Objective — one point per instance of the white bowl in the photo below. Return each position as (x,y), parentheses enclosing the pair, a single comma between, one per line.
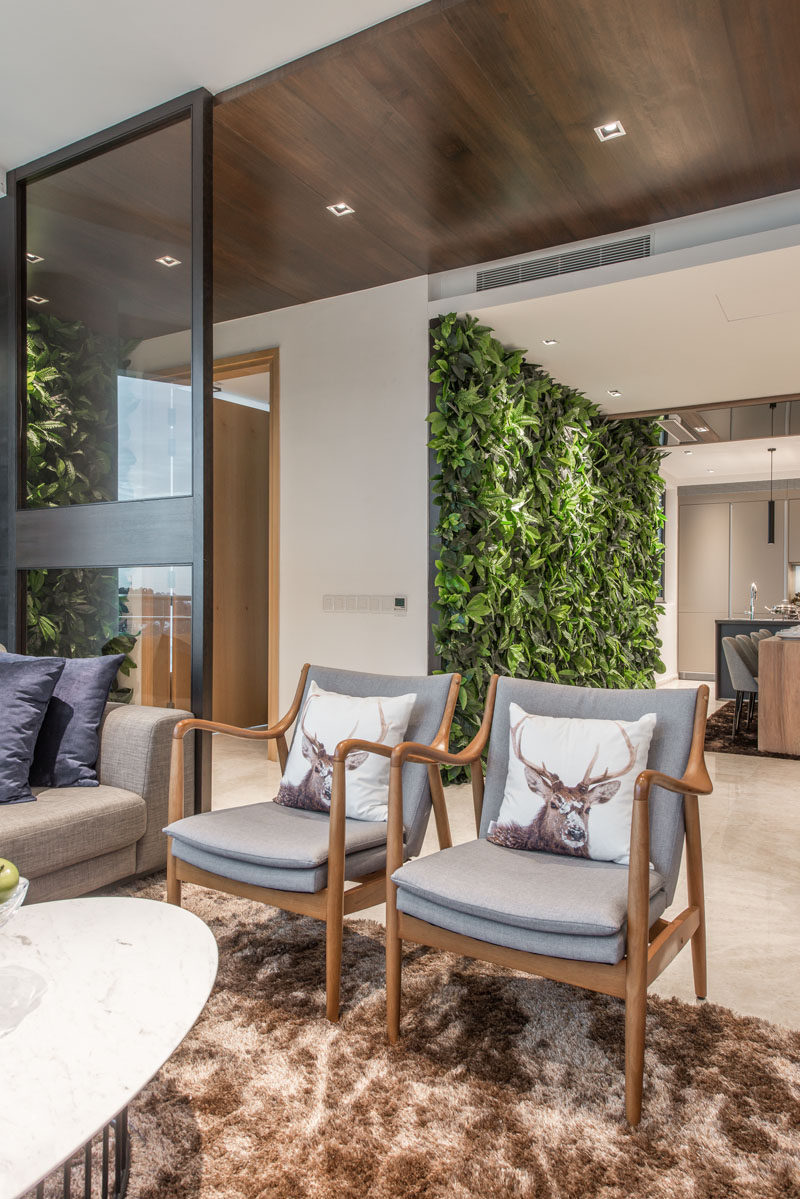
(14,901)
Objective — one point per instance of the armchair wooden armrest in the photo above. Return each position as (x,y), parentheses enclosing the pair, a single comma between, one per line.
(276,732)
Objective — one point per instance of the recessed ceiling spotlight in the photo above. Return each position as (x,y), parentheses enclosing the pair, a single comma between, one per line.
(687,451)
(168,260)
(31,257)
(38,300)
(340,209)
(701,428)
(610,130)
(709,470)
(612,391)
(549,341)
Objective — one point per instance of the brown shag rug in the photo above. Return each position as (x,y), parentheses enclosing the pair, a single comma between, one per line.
(503,1085)
(720,739)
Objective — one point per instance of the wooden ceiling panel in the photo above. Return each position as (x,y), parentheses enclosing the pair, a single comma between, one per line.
(463,131)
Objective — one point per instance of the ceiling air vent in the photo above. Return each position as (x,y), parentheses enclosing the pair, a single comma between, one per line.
(565,264)
(676,429)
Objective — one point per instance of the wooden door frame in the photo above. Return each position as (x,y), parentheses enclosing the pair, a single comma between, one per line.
(257,362)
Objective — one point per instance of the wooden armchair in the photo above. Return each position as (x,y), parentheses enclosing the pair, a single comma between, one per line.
(592,924)
(301,860)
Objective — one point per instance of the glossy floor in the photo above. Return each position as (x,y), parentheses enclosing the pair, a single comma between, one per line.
(751,845)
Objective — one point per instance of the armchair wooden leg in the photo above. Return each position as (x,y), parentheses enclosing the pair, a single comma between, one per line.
(173,882)
(695,887)
(635,1021)
(333,966)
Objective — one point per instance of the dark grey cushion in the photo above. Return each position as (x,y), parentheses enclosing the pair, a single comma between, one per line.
(268,834)
(69,740)
(550,893)
(557,945)
(426,716)
(669,749)
(26,685)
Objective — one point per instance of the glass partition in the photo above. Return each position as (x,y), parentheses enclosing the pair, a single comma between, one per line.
(144,612)
(108,276)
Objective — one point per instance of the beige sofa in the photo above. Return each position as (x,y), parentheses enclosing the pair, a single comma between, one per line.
(76,839)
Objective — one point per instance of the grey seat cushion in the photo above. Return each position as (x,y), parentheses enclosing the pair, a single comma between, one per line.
(544,892)
(267,834)
(68,825)
(609,950)
(356,865)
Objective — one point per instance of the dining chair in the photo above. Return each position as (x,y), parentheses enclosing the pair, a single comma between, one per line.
(743,680)
(300,860)
(593,924)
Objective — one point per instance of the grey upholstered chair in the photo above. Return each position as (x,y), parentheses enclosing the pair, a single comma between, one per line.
(759,635)
(749,652)
(590,923)
(299,860)
(743,679)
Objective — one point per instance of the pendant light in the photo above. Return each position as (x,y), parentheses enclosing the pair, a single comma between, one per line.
(771,502)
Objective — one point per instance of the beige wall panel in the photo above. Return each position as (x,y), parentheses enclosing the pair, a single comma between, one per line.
(753,559)
(703,547)
(696,631)
(794,530)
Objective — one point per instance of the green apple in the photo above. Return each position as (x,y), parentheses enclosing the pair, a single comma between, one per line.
(9,877)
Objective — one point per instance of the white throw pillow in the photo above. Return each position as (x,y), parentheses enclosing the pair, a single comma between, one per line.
(569,787)
(328,718)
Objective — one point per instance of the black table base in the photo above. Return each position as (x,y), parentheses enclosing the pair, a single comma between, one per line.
(99,1171)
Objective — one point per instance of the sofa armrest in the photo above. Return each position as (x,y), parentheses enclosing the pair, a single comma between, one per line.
(135,746)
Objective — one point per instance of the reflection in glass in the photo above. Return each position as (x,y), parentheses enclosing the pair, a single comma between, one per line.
(144,612)
(109,275)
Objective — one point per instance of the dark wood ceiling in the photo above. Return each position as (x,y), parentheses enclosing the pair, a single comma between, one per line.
(462,131)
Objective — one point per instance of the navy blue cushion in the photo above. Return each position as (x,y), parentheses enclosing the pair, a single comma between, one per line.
(26,685)
(69,741)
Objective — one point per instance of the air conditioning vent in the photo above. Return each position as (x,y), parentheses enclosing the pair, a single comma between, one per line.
(565,264)
(677,431)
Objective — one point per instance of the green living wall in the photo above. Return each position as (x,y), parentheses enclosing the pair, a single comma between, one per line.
(549,522)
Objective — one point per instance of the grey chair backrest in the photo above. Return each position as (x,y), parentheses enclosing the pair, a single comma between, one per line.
(426,716)
(759,636)
(741,676)
(669,749)
(748,651)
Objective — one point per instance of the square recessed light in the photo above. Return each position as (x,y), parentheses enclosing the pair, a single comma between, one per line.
(701,428)
(31,257)
(609,131)
(340,209)
(612,391)
(709,470)
(687,451)
(38,300)
(168,260)
(549,341)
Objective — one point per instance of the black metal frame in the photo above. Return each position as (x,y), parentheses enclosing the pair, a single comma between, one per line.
(121,1164)
(143,533)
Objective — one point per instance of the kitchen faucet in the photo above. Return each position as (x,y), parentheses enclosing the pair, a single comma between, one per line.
(753,595)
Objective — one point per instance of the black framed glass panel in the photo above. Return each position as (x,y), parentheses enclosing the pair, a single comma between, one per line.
(108,274)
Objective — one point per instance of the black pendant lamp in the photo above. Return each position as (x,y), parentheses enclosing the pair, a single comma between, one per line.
(771,502)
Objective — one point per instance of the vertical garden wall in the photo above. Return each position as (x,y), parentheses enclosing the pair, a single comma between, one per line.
(549,523)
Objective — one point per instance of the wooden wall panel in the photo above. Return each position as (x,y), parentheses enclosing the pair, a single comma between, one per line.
(241,490)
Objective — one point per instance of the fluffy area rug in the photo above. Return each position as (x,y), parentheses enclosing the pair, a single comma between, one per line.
(502,1085)
(720,739)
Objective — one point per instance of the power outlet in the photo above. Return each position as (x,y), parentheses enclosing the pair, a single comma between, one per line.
(366,605)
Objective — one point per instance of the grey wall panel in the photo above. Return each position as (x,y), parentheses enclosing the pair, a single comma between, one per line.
(139,533)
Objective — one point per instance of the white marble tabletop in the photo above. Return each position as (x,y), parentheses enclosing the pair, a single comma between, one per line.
(95,994)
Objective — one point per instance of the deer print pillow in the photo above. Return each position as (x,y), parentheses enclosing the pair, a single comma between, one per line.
(328,718)
(569,787)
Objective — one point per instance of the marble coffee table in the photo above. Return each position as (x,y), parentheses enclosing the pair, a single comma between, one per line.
(95,994)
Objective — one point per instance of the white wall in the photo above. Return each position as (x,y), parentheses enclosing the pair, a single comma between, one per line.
(668,623)
(354,473)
